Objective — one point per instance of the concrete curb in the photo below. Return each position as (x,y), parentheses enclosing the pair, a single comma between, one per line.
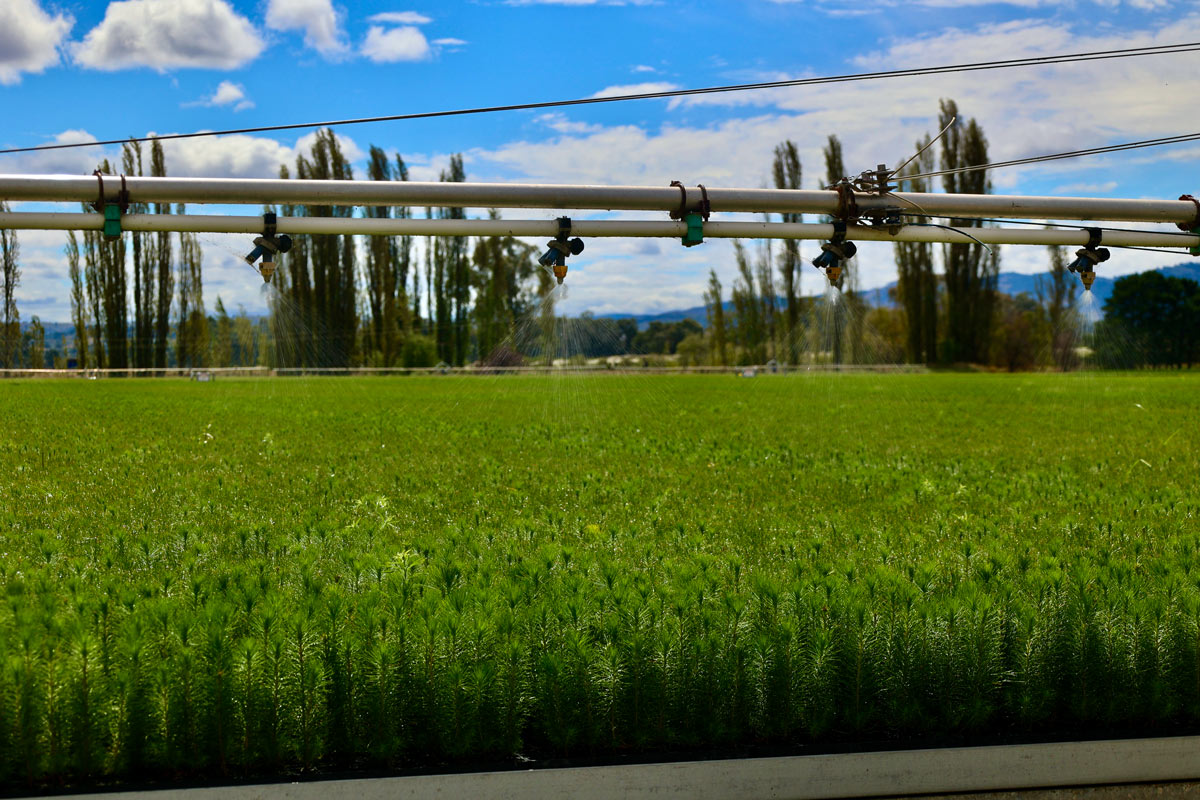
(941,771)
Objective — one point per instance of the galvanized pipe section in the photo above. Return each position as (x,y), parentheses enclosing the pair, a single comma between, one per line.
(198,223)
(960,769)
(67,188)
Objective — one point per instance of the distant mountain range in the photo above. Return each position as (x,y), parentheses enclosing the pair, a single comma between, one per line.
(1010,283)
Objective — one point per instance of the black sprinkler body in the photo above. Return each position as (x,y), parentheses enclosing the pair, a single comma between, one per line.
(558,248)
(266,246)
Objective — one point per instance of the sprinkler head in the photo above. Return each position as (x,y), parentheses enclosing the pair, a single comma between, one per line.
(265,247)
(830,260)
(556,254)
(1085,263)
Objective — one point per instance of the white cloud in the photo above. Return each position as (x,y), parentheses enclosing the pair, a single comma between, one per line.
(320,21)
(400,18)
(168,34)
(1023,112)
(349,147)
(71,161)
(643,68)
(233,156)
(1085,188)
(388,46)
(242,155)
(636,88)
(29,38)
(449,42)
(227,93)
(559,122)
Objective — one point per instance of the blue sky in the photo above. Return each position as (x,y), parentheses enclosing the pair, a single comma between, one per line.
(72,71)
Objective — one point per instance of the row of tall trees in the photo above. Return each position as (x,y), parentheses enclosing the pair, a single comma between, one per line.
(99,271)
(464,308)
(395,301)
(945,318)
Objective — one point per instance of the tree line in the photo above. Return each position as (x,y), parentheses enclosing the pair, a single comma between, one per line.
(394,301)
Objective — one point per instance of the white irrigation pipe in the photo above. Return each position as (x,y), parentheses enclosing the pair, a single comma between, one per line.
(958,769)
(69,188)
(198,223)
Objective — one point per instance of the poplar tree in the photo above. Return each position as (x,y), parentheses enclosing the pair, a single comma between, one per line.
(145,264)
(165,287)
(10,273)
(222,348)
(768,302)
(835,170)
(245,339)
(916,284)
(37,344)
(191,339)
(1057,295)
(786,171)
(502,265)
(451,281)
(106,264)
(747,322)
(293,320)
(330,258)
(715,309)
(95,302)
(388,261)
(79,308)
(971,270)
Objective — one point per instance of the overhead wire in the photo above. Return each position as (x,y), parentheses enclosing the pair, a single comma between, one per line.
(1098,55)
(1090,151)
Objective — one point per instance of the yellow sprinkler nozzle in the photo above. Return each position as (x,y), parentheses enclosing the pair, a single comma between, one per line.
(834,273)
(560,272)
(267,270)
(1087,278)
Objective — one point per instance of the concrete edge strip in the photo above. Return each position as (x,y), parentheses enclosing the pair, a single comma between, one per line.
(960,769)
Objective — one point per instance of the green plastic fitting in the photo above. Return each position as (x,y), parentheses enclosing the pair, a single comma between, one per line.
(112,222)
(695,230)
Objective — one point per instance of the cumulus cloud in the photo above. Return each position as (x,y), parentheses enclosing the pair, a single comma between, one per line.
(391,45)
(1023,112)
(1086,189)
(71,161)
(29,38)
(227,93)
(241,155)
(636,88)
(320,21)
(400,18)
(168,34)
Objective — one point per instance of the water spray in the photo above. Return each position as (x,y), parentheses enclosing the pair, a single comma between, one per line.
(1088,257)
(266,247)
(559,248)
(834,252)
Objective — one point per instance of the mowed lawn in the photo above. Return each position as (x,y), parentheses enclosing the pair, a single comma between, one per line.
(265,576)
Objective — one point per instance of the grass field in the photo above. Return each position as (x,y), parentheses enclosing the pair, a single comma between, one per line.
(269,575)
